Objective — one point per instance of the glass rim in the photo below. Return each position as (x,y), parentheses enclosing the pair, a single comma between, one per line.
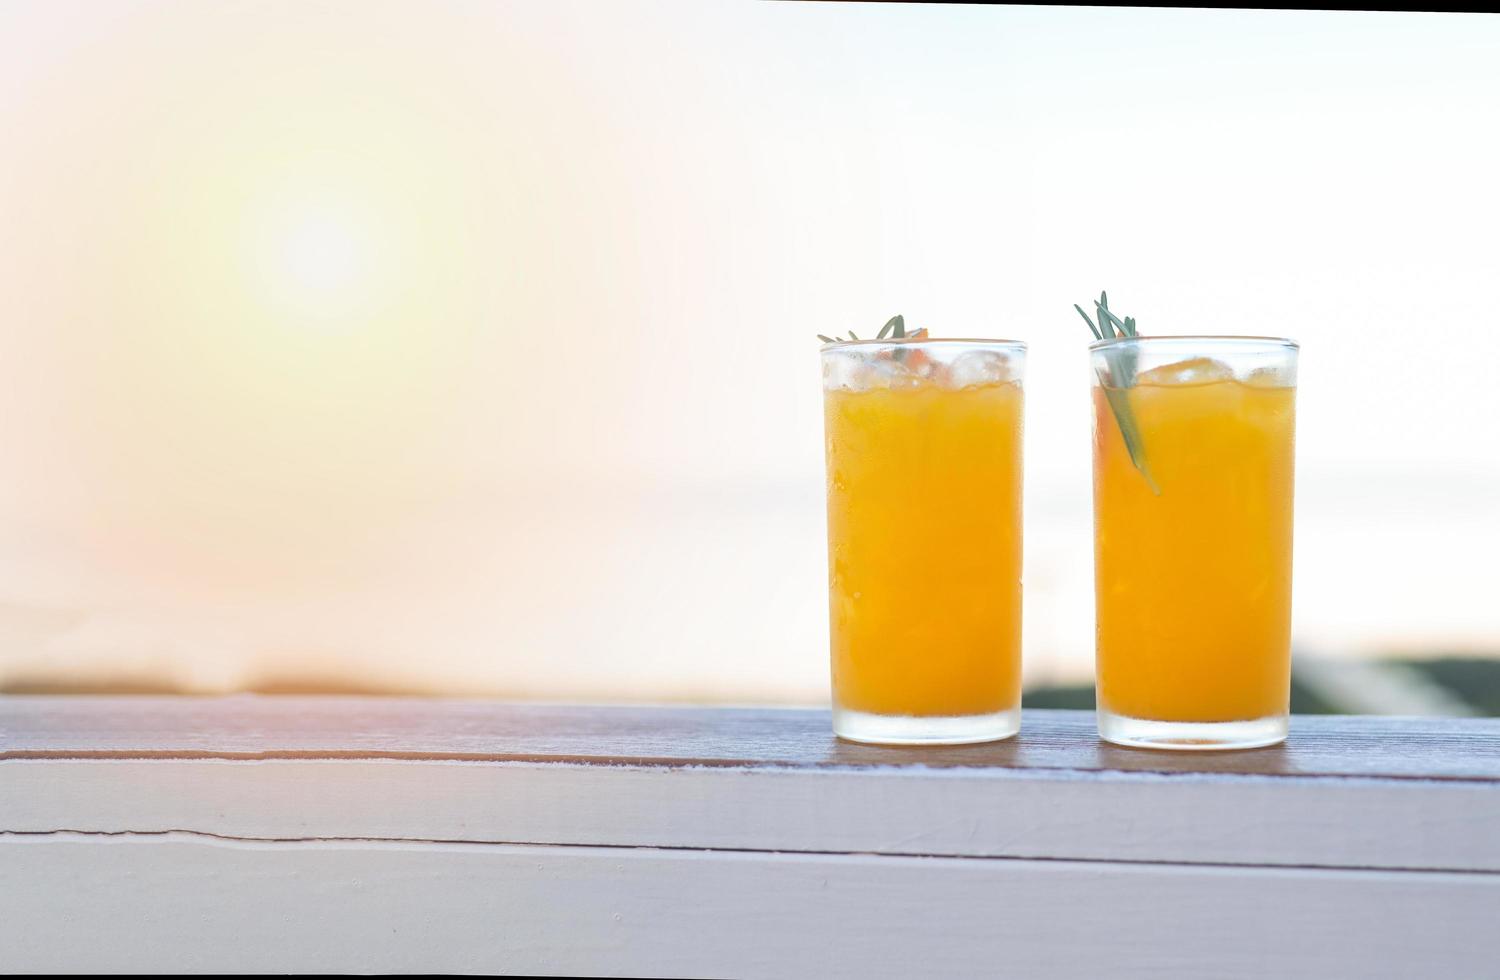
(1283,343)
(1019,345)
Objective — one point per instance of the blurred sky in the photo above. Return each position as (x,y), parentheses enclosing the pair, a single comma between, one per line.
(469,347)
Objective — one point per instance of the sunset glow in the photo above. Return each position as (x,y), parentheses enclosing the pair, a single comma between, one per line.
(471,346)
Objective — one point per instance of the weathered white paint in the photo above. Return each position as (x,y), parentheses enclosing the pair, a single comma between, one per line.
(287,835)
(76,902)
(1204,818)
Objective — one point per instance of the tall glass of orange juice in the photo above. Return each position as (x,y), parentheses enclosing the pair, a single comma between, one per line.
(1193,466)
(923,447)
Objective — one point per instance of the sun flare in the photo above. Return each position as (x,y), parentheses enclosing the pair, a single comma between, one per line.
(313,259)
(322,255)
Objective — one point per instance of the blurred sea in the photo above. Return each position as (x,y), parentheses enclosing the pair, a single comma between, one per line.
(708,592)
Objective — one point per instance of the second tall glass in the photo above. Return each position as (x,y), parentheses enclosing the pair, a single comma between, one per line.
(923,441)
(1193,467)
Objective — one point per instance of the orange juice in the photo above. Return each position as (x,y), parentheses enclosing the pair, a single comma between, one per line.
(924,544)
(1193,576)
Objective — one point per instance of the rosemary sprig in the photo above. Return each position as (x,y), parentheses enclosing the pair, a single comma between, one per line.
(1118,379)
(895,328)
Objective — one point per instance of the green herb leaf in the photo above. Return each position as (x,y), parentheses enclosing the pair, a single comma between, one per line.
(1117,326)
(1119,403)
(1097,334)
(895,328)
(1117,378)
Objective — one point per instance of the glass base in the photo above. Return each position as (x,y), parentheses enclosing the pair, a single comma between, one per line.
(860,726)
(1191,736)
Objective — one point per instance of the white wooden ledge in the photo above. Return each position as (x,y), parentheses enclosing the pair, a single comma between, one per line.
(378,835)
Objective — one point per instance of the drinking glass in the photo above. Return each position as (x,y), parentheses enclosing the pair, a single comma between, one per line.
(1193,466)
(923,449)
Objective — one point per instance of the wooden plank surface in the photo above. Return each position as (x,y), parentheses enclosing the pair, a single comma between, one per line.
(293,727)
(1125,817)
(379,835)
(179,903)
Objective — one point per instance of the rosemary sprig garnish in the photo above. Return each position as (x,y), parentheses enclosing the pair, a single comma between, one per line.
(895,328)
(1120,377)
